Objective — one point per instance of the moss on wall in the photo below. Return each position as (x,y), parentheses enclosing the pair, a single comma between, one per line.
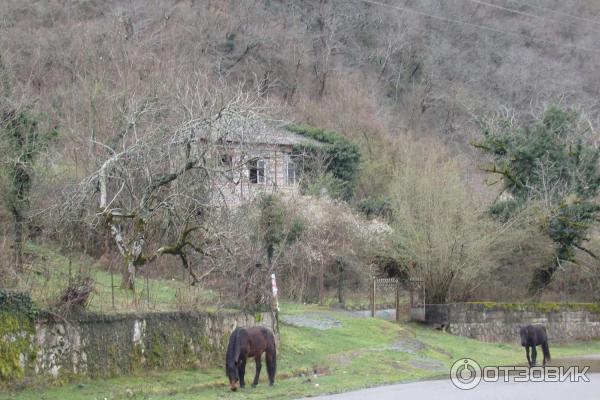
(541,307)
(16,347)
(17,329)
(490,321)
(97,345)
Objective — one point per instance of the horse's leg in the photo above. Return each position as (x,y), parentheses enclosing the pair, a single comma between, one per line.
(533,355)
(271,365)
(546,351)
(528,359)
(544,362)
(258,366)
(242,372)
(544,357)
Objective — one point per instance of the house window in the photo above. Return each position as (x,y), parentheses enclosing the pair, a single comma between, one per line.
(290,172)
(257,171)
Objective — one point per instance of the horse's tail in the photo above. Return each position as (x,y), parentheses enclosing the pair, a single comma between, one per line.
(546,350)
(271,357)
(274,358)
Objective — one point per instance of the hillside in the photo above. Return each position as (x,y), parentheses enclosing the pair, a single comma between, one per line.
(368,66)
(404,81)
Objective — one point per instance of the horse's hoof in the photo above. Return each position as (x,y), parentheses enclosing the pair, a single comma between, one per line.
(253,385)
(271,383)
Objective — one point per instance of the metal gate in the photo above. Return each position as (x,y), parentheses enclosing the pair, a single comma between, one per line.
(417,298)
(385,287)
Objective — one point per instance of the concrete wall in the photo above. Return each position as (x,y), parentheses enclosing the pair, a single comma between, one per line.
(500,322)
(109,345)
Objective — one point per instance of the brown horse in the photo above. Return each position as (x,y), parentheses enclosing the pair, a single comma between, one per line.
(245,343)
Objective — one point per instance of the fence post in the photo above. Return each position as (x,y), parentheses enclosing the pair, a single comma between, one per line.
(373,299)
(112,288)
(341,298)
(147,292)
(397,300)
(275,305)
(112,279)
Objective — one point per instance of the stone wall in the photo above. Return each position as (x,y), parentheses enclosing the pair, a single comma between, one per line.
(275,157)
(45,347)
(500,322)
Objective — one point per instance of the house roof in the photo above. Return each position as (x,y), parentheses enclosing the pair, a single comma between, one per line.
(244,131)
(274,133)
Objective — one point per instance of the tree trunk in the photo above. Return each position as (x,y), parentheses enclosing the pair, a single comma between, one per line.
(18,206)
(128,281)
(322,284)
(341,283)
(18,239)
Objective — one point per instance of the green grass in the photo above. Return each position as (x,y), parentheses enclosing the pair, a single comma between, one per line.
(356,355)
(48,272)
(359,300)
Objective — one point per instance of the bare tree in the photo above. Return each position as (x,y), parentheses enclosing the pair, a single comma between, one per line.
(156,193)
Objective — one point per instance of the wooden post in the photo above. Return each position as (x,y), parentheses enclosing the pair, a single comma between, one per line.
(321,283)
(398,300)
(275,160)
(373,299)
(424,302)
(112,287)
(70,271)
(135,302)
(275,292)
(341,298)
(147,292)
(274,305)
(411,289)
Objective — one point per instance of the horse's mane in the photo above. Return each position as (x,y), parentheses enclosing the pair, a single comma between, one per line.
(234,347)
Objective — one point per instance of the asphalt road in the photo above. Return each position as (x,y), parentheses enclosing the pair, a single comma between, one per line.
(444,389)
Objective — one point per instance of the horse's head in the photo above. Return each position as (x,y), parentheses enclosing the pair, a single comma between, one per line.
(523,334)
(232,374)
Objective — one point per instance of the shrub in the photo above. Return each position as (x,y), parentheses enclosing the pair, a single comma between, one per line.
(376,207)
(342,157)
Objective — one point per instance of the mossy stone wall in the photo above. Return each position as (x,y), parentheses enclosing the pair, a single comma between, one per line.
(40,346)
(500,322)
(17,332)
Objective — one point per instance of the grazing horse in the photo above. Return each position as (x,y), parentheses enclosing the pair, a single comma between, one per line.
(531,336)
(245,343)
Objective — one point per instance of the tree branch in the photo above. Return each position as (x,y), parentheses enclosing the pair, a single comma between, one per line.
(589,252)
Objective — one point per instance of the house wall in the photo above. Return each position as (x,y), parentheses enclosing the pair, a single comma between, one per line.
(242,189)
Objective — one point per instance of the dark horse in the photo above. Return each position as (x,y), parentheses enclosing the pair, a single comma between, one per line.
(531,336)
(245,343)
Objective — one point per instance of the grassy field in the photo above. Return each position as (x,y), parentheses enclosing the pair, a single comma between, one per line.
(49,271)
(358,353)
